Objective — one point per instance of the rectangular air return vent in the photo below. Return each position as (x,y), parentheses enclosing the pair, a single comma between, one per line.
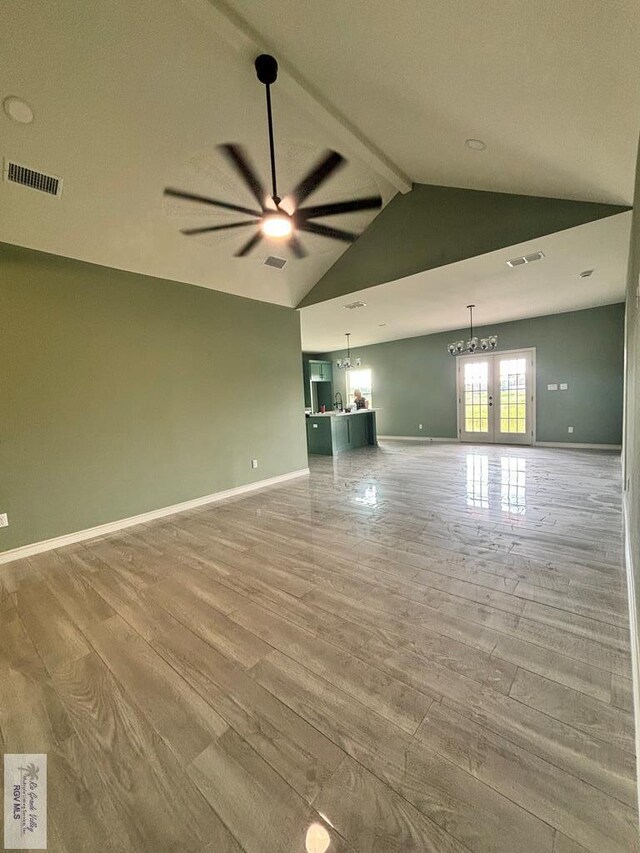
(272,261)
(525,259)
(17,174)
(353,305)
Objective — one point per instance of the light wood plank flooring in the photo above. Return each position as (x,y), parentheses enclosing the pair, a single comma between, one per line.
(418,648)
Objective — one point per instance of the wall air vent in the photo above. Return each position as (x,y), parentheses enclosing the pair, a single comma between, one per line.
(16,174)
(353,305)
(525,259)
(272,261)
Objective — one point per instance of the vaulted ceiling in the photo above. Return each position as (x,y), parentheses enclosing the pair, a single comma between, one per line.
(133,96)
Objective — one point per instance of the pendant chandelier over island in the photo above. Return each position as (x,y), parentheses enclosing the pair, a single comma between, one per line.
(346,363)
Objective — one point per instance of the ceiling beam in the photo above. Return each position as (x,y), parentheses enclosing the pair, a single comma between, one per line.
(226,23)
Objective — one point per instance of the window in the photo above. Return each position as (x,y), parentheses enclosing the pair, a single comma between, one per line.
(359,379)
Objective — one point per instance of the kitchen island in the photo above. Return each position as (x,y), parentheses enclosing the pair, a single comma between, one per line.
(334,432)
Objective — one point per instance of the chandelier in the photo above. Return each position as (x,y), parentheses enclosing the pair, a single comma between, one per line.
(474,343)
(346,363)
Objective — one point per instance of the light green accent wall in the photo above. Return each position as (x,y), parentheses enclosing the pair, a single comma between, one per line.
(122,393)
(414,379)
(631,470)
(433,226)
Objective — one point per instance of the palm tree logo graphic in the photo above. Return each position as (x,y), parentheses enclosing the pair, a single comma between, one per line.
(30,771)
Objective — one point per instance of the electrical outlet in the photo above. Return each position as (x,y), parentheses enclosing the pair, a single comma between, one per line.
(4,519)
(569,429)
(254,463)
(419,426)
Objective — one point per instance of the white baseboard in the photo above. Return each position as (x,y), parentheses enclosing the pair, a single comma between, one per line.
(424,438)
(577,446)
(121,524)
(634,628)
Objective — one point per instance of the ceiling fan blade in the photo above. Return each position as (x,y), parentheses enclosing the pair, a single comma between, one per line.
(236,156)
(296,247)
(320,172)
(203,199)
(208,228)
(248,246)
(325,231)
(371,202)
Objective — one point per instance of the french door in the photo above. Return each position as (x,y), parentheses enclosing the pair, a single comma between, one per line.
(496,397)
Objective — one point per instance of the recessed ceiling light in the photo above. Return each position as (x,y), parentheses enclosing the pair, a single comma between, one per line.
(382,324)
(586,273)
(18,110)
(475,144)
(351,305)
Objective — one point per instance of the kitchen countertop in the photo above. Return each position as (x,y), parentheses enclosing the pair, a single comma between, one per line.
(341,414)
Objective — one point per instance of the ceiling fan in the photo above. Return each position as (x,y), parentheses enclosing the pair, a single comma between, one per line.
(271,219)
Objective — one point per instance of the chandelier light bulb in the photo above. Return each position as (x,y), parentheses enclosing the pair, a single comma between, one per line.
(277,225)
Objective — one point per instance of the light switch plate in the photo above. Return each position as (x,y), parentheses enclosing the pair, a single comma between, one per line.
(569,429)
(552,387)
(563,386)
(254,463)
(4,519)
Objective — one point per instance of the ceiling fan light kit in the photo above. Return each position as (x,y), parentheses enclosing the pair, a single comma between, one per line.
(270,219)
(473,344)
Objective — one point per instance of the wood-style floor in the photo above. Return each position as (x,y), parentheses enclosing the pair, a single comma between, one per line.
(418,648)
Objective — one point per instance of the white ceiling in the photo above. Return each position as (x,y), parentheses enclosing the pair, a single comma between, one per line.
(132,96)
(551,86)
(435,301)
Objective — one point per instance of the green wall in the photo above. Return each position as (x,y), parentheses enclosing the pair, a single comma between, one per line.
(122,393)
(414,379)
(632,449)
(433,226)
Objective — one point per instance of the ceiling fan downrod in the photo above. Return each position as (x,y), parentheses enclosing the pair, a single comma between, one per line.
(267,71)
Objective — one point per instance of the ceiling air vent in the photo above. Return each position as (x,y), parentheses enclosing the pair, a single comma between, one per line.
(525,259)
(353,305)
(17,174)
(272,261)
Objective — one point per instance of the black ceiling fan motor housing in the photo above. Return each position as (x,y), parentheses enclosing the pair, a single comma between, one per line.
(266,69)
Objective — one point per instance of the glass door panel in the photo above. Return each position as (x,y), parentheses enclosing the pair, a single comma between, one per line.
(477,399)
(513,399)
